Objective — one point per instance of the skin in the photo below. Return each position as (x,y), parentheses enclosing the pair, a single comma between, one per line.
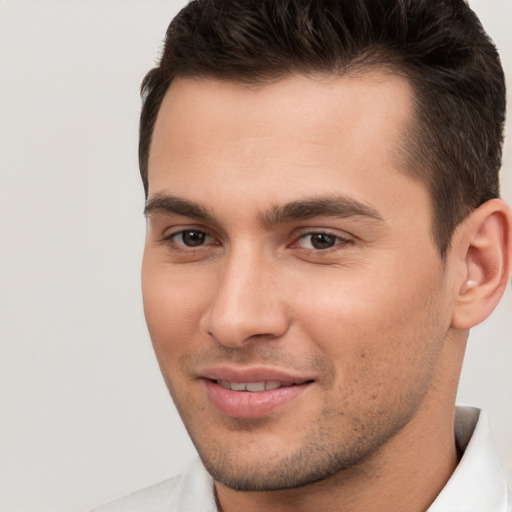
(368,319)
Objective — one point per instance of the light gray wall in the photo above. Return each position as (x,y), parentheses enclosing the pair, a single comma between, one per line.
(84,415)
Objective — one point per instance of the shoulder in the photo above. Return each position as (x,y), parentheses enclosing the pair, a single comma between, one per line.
(149,499)
(192,490)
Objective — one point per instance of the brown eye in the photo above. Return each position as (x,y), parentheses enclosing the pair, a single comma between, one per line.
(322,240)
(319,241)
(191,238)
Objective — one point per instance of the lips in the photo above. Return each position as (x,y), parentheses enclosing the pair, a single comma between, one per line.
(253,393)
(255,387)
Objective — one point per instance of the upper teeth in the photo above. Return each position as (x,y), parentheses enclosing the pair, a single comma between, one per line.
(250,386)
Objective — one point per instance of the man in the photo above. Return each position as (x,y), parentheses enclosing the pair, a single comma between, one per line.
(324,228)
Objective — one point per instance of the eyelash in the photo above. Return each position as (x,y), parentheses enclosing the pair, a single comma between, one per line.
(171,239)
(336,239)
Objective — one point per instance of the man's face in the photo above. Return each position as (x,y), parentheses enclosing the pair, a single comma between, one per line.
(293,293)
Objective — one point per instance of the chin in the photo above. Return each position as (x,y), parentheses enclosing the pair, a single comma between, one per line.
(259,470)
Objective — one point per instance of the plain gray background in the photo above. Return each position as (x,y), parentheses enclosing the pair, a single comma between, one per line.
(84,414)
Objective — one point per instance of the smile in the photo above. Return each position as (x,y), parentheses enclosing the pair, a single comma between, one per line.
(254,399)
(255,387)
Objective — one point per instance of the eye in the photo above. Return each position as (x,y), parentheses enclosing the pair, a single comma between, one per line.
(320,241)
(191,238)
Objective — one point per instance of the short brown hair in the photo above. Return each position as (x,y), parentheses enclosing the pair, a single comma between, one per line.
(453,144)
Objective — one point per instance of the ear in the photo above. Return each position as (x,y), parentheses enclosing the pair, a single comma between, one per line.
(483,248)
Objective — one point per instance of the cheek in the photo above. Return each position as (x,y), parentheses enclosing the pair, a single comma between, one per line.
(372,322)
(173,305)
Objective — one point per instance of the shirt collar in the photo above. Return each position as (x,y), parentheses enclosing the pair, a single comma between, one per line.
(478,484)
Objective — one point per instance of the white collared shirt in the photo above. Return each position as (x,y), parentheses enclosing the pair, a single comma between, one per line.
(477,485)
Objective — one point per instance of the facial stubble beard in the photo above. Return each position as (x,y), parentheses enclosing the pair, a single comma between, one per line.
(323,453)
(318,459)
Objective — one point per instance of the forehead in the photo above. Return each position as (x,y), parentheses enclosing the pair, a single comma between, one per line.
(280,138)
(300,104)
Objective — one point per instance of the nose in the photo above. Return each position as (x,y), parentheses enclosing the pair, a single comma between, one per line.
(247,303)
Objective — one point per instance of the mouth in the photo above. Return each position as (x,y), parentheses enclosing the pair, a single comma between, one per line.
(248,398)
(255,387)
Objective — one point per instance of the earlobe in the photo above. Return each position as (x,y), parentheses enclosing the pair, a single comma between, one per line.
(485,247)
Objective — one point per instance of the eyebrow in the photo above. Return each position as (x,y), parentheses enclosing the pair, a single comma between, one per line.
(337,205)
(165,204)
(340,206)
